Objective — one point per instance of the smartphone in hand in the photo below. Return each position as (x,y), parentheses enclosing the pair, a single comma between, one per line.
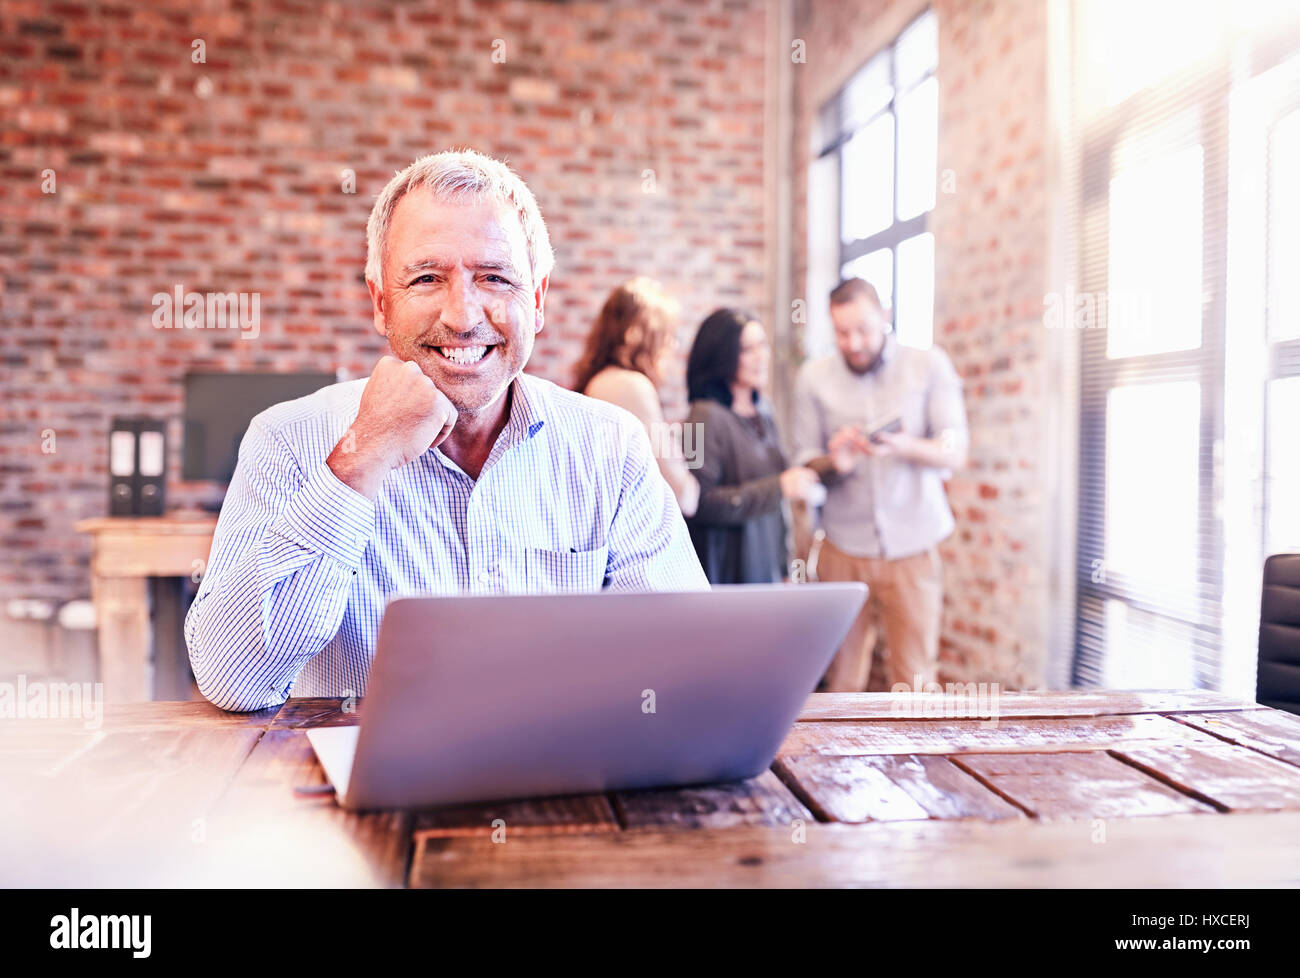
(892,424)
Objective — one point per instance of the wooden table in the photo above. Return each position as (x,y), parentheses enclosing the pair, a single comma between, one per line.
(128,550)
(1105,789)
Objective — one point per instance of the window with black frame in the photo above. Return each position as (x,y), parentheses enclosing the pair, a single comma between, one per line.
(876,139)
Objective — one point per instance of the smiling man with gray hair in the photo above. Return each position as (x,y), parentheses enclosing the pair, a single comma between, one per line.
(448,470)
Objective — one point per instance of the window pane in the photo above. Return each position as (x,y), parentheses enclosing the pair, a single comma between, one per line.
(917,51)
(867,180)
(878,269)
(1153,487)
(1154,272)
(1284,230)
(1283,466)
(1120,46)
(914,321)
(1145,651)
(867,93)
(918,133)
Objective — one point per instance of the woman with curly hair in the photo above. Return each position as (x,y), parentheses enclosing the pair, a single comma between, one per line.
(628,350)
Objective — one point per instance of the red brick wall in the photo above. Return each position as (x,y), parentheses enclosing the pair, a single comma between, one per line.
(991,244)
(227,177)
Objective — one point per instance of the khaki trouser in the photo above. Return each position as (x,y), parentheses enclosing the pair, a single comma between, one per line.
(906,599)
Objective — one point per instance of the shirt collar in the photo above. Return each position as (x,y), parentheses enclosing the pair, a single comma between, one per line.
(527,409)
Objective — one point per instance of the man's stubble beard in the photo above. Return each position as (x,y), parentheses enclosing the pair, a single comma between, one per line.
(467,410)
(870,365)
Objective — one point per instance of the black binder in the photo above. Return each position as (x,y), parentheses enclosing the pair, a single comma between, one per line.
(137,467)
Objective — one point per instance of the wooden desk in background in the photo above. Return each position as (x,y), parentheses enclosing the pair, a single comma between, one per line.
(128,551)
(1087,789)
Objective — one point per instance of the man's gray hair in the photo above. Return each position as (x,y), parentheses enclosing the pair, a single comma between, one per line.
(459,175)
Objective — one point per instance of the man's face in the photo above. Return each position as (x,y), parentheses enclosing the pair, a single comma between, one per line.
(859,331)
(459,297)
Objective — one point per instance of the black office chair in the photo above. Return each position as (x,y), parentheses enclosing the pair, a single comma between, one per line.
(1277,683)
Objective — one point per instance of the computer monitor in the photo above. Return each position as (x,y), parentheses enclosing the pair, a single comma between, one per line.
(218,408)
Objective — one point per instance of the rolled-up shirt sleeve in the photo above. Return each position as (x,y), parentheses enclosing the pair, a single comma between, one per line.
(287,549)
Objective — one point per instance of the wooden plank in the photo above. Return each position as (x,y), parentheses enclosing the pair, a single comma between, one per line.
(274,827)
(318,711)
(124,637)
(890,788)
(29,757)
(1234,777)
(330,711)
(123,809)
(37,747)
(129,782)
(1177,850)
(762,800)
(1028,735)
(194,712)
(199,524)
(149,546)
(1043,703)
(1085,785)
(189,713)
(1270,732)
(28,749)
(571,813)
(124,717)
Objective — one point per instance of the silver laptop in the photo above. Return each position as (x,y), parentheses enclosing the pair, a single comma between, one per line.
(487,698)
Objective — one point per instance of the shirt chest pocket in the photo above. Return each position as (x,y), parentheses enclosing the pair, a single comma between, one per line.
(549,571)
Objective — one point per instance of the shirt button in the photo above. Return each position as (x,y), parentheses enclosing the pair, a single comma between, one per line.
(361,539)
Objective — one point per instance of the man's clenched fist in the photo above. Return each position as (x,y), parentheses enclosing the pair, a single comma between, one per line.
(402,416)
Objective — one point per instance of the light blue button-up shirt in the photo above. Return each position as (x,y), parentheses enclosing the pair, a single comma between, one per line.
(302,565)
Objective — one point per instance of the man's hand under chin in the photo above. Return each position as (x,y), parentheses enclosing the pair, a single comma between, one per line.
(402,416)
